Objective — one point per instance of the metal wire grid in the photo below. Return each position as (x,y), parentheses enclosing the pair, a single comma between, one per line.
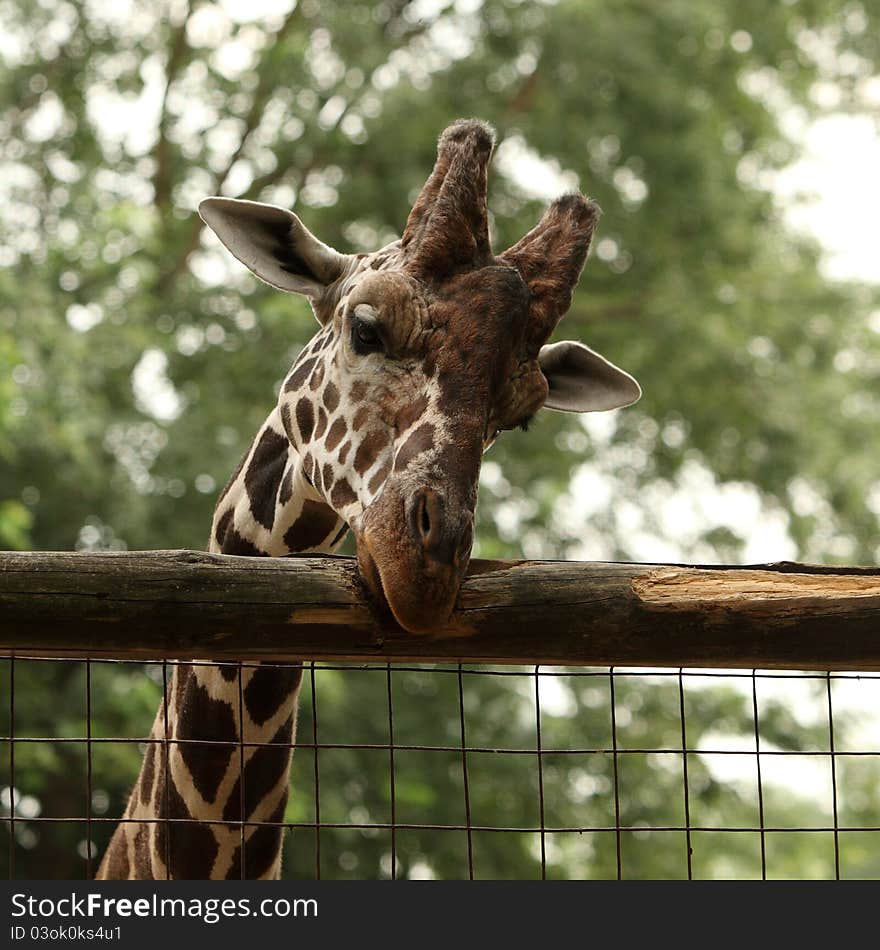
(869,831)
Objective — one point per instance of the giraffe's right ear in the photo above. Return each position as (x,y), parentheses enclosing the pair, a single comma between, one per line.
(581,380)
(274,244)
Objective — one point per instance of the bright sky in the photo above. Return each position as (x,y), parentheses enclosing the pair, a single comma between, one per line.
(839,166)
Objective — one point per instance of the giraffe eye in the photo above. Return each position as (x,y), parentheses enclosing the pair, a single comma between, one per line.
(365,337)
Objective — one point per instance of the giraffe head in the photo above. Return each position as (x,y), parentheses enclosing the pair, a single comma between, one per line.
(428,349)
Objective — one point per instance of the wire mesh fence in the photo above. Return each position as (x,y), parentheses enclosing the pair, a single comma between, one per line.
(459,771)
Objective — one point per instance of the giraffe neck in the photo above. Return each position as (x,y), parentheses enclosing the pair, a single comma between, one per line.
(268,508)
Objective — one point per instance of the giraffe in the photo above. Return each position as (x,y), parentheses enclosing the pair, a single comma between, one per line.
(427,350)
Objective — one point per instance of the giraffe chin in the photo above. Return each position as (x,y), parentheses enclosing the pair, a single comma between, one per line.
(421,600)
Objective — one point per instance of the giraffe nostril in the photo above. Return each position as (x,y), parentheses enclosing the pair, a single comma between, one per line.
(424,518)
(427,518)
(444,535)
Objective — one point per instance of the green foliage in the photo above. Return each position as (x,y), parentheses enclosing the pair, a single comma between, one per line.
(136,361)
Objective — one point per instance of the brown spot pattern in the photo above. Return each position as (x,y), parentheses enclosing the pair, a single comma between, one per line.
(315,524)
(234,543)
(411,413)
(342,494)
(263,476)
(210,719)
(419,441)
(261,848)
(148,773)
(322,422)
(339,536)
(331,397)
(223,526)
(379,477)
(229,672)
(261,774)
(305,420)
(180,679)
(287,421)
(193,846)
(336,434)
(267,689)
(299,375)
(285,492)
(317,377)
(115,866)
(360,417)
(369,449)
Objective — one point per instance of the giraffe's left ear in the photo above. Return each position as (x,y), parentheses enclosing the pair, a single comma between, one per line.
(582,380)
(274,244)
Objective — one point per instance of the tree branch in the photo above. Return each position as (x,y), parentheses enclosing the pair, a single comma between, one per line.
(266,84)
(255,113)
(163,175)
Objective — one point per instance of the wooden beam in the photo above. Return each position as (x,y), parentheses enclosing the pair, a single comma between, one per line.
(191,605)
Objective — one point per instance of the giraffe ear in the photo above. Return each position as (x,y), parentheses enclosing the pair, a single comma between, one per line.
(274,244)
(581,380)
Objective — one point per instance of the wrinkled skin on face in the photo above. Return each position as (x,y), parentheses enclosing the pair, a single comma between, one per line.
(428,349)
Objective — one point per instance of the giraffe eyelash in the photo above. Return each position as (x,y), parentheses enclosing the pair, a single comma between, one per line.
(365,334)
(523,423)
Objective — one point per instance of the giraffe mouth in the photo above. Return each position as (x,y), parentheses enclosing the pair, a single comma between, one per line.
(420,596)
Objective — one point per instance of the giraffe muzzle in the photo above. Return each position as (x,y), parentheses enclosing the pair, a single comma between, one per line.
(413,552)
